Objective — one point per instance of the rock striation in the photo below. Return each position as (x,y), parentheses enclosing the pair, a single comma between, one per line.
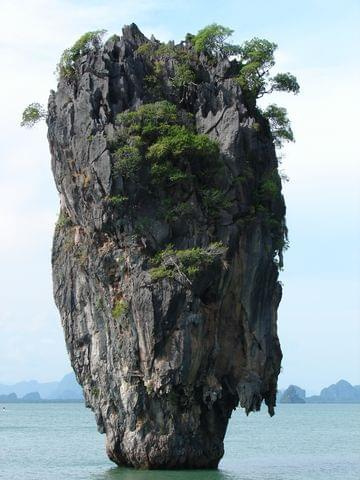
(169,314)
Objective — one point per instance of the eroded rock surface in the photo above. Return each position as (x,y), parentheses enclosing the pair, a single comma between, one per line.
(164,362)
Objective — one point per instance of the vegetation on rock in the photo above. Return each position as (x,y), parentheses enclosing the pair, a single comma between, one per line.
(211,40)
(279,124)
(32,114)
(120,308)
(256,61)
(185,264)
(158,147)
(86,43)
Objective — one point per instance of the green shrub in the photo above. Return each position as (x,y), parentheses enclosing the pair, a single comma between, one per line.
(120,308)
(269,189)
(85,44)
(186,264)
(32,114)
(256,60)
(179,143)
(177,211)
(128,161)
(214,200)
(118,200)
(161,272)
(175,161)
(279,124)
(166,173)
(211,40)
(149,120)
(183,75)
(146,49)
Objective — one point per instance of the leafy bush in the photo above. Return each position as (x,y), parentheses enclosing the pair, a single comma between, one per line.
(214,200)
(211,40)
(284,82)
(32,114)
(279,124)
(176,211)
(185,264)
(183,75)
(161,142)
(118,200)
(269,189)
(128,161)
(149,120)
(181,143)
(256,60)
(120,308)
(85,44)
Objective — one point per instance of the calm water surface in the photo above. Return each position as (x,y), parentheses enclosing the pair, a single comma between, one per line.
(302,442)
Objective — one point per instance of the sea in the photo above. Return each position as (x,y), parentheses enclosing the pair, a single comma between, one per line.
(301,442)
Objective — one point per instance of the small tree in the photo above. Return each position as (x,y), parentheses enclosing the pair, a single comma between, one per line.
(211,40)
(183,75)
(279,124)
(87,42)
(257,58)
(32,114)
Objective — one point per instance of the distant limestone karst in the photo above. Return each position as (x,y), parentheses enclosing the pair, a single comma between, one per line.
(293,394)
(340,392)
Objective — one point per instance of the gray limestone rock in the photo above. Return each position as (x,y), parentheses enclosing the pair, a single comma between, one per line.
(164,363)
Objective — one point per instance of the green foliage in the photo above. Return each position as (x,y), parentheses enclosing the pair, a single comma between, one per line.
(285,82)
(120,308)
(279,124)
(183,75)
(149,120)
(32,114)
(128,161)
(85,44)
(166,50)
(118,200)
(185,264)
(212,40)
(146,49)
(257,59)
(161,272)
(214,200)
(166,173)
(180,142)
(157,50)
(269,189)
(160,145)
(176,211)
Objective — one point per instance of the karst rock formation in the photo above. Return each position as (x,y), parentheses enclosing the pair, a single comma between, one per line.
(168,290)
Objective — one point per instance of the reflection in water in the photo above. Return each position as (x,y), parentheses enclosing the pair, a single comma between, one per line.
(129,474)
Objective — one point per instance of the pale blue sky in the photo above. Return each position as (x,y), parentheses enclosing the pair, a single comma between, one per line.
(319,318)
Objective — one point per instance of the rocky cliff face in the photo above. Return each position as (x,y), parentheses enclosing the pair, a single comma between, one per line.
(165,341)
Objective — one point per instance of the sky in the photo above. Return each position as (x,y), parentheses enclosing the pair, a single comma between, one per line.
(319,41)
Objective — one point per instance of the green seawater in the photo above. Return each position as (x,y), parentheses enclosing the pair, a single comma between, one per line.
(302,442)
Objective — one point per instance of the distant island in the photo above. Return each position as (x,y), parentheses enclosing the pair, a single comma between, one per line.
(66,390)
(340,392)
